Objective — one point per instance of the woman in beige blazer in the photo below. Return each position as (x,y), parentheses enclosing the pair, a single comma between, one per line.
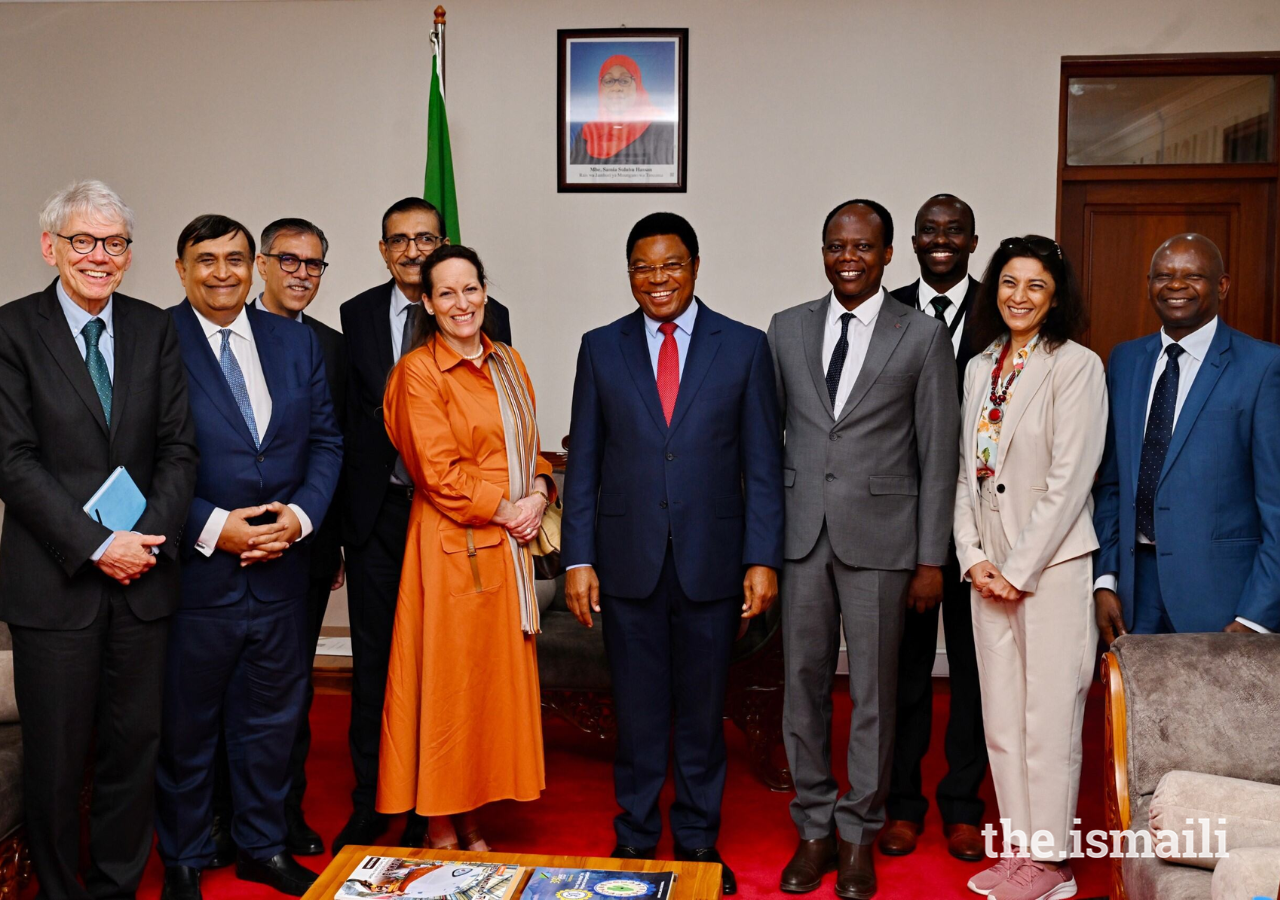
(1035,415)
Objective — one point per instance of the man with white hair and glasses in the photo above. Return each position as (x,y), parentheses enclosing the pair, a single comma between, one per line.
(90,381)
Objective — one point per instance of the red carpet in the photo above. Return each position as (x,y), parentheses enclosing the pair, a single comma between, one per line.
(575,812)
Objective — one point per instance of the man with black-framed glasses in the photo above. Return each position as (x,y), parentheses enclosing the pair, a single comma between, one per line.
(378,327)
(90,380)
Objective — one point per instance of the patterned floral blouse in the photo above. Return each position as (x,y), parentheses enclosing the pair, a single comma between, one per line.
(989,429)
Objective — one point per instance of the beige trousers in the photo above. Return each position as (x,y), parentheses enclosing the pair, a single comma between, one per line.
(1035,661)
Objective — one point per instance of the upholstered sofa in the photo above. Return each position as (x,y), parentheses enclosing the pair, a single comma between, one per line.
(15,864)
(1194,714)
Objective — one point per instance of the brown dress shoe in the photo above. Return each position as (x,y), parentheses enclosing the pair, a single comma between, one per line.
(809,863)
(898,837)
(965,842)
(856,878)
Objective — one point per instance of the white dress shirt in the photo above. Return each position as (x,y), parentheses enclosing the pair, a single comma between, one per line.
(860,327)
(399,311)
(77,318)
(1196,348)
(683,334)
(956,295)
(245,350)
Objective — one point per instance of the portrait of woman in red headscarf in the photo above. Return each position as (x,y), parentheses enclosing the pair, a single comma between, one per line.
(628,128)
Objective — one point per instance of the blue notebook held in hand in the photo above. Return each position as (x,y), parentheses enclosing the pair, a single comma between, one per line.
(118,504)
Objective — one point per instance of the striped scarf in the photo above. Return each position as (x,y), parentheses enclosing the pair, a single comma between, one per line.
(521,431)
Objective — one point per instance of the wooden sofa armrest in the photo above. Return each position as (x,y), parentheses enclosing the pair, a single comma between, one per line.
(1116,771)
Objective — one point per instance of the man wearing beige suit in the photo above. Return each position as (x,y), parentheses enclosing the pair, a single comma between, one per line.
(1032,432)
(867,390)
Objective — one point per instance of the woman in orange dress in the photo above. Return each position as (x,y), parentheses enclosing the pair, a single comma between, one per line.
(461,723)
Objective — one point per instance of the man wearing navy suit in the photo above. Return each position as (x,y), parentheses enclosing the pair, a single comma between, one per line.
(672,519)
(1188,502)
(270,454)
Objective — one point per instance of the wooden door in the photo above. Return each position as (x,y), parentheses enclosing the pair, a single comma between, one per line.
(1110,228)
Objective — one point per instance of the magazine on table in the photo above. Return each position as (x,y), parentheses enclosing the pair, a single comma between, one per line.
(429,879)
(547,883)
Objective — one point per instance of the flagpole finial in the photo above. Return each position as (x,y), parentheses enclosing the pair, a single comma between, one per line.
(439,15)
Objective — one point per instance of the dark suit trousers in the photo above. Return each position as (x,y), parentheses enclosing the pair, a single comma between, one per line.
(373,583)
(243,666)
(965,744)
(818,593)
(669,657)
(317,602)
(106,678)
(1149,614)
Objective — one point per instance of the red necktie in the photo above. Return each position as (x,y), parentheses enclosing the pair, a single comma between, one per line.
(668,369)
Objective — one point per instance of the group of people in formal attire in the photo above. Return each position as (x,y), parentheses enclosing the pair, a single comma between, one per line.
(876,461)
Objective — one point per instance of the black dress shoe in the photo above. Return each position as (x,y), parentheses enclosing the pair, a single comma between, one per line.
(415,831)
(224,848)
(281,872)
(709,855)
(809,863)
(363,828)
(622,851)
(300,838)
(181,883)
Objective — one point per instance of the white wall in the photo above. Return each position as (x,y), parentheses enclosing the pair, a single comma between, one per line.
(318,109)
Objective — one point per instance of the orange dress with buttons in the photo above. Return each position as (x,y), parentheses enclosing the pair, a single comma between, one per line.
(461,721)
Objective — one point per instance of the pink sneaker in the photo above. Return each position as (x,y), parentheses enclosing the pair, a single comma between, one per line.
(1036,881)
(988,880)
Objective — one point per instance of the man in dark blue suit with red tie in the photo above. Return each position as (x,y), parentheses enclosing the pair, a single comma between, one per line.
(672,528)
(239,646)
(1188,499)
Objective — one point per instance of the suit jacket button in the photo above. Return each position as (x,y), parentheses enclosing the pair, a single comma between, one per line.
(999,488)
(670,456)
(662,504)
(834,436)
(262,459)
(830,477)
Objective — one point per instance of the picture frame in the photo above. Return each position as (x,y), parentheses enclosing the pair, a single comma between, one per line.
(622,110)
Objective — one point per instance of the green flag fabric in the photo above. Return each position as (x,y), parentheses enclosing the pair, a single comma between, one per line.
(438,185)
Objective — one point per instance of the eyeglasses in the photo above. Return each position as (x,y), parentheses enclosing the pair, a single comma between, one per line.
(84,244)
(620,81)
(662,269)
(290,263)
(424,239)
(1040,246)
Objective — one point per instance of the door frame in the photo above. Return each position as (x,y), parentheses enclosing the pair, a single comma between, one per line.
(1266,63)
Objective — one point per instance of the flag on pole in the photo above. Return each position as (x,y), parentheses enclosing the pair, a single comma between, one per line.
(438,185)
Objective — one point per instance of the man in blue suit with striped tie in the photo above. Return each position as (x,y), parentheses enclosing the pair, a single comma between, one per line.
(239,648)
(1188,502)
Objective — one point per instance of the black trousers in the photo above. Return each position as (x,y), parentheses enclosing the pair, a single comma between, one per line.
(373,583)
(965,743)
(317,602)
(108,678)
(669,661)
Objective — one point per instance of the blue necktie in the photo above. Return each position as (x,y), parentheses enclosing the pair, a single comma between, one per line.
(97,363)
(836,366)
(1155,443)
(235,381)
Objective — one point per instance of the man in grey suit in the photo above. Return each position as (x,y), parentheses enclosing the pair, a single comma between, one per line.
(867,389)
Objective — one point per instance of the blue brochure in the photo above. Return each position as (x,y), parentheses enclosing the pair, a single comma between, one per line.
(118,504)
(548,883)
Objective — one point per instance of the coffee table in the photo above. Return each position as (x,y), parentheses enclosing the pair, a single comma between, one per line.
(694,881)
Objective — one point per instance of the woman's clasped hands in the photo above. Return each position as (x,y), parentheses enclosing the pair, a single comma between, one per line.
(522,518)
(988,581)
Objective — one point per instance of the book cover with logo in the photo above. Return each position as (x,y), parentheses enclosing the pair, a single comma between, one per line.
(592,884)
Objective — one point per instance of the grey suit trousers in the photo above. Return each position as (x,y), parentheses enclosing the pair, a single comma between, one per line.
(818,592)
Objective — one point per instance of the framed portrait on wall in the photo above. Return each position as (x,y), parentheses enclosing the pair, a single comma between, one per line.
(622,109)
